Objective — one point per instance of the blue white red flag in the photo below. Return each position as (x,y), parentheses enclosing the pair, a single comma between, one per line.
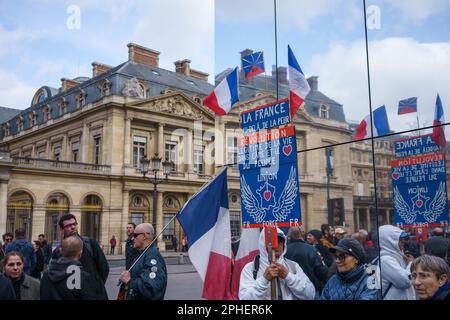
(407,105)
(253,64)
(438,134)
(205,219)
(298,85)
(380,125)
(247,251)
(224,95)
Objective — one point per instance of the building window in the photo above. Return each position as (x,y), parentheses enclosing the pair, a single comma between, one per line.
(358,157)
(81,99)
(41,153)
(75,151)
(359,173)
(57,153)
(19,123)
(62,107)
(170,153)
(235,223)
(198,159)
(232,150)
(32,119)
(46,112)
(97,149)
(324,111)
(105,88)
(143,90)
(139,146)
(6,129)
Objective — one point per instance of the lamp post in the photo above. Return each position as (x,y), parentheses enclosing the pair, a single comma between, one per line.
(154,164)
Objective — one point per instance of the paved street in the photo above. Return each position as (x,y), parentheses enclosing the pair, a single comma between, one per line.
(183,281)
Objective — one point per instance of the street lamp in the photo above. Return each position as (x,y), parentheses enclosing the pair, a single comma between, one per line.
(154,164)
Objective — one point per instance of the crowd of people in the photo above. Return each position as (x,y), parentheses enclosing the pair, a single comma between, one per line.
(326,264)
(329,264)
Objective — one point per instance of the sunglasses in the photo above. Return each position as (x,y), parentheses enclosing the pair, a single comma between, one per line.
(8,239)
(340,257)
(70,225)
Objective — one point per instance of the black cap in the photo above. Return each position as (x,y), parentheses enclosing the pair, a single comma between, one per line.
(351,247)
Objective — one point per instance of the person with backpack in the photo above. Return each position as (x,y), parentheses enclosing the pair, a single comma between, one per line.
(92,258)
(20,244)
(292,282)
(396,283)
(65,278)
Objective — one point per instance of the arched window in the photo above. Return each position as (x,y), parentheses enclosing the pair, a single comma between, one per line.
(20,211)
(57,205)
(139,208)
(91,211)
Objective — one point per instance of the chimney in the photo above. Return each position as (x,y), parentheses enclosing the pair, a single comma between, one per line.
(313,83)
(199,75)
(66,84)
(99,68)
(282,75)
(143,55)
(183,67)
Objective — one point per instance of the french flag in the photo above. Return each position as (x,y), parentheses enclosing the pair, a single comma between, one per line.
(248,250)
(224,95)
(380,125)
(205,219)
(298,85)
(438,134)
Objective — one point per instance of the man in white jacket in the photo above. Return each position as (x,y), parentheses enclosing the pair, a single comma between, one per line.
(292,282)
(395,265)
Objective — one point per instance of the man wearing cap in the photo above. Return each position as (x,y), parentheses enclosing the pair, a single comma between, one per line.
(292,282)
(339,234)
(395,264)
(350,280)
(147,279)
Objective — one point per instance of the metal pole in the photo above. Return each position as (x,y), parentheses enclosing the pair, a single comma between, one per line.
(330,216)
(155,183)
(276,42)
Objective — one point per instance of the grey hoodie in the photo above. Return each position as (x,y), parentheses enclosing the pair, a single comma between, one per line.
(394,269)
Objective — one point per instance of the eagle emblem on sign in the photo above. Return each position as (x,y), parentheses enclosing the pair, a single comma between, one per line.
(258,206)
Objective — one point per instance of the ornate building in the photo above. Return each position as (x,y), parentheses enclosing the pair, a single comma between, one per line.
(78,149)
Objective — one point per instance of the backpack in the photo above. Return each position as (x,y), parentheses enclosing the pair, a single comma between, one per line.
(374,277)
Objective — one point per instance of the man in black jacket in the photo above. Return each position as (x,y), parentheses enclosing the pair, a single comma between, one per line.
(307,257)
(92,258)
(65,278)
(6,289)
(131,253)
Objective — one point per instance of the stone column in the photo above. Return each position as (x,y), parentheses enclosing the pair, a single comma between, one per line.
(368,219)
(161,140)
(64,149)
(386,214)
(308,217)
(3,205)
(107,157)
(160,221)
(85,144)
(219,143)
(190,152)
(357,226)
(47,148)
(127,142)
(125,217)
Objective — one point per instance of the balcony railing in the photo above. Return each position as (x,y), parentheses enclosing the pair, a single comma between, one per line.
(25,162)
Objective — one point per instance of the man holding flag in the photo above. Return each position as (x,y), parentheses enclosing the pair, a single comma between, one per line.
(205,219)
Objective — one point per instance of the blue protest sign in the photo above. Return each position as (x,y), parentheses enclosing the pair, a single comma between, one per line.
(267,158)
(270,197)
(419,184)
(272,148)
(415,146)
(269,116)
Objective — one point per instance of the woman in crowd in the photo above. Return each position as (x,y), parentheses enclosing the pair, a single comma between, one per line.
(430,278)
(25,287)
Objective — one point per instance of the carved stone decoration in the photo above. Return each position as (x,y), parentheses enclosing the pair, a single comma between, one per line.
(176,106)
(133,89)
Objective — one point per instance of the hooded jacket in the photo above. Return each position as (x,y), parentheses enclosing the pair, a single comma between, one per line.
(394,269)
(296,286)
(56,285)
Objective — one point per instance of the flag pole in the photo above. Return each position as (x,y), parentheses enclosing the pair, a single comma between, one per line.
(276,42)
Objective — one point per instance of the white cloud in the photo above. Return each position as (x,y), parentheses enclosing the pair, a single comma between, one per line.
(15,93)
(419,10)
(16,40)
(400,68)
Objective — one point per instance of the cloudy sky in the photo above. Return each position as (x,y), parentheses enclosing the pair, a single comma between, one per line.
(409,44)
